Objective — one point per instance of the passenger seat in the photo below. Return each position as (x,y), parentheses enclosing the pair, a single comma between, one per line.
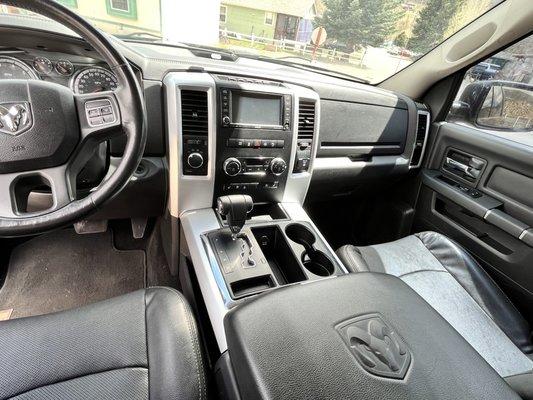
(458,288)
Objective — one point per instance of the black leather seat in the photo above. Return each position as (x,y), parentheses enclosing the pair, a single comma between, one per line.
(456,286)
(143,345)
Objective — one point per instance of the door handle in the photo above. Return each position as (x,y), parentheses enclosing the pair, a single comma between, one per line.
(466,169)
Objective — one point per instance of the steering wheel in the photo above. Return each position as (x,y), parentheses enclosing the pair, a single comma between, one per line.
(48,133)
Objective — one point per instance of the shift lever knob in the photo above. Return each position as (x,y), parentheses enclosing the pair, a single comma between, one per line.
(235,208)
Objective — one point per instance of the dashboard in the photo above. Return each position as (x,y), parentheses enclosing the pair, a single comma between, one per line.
(79,74)
(220,126)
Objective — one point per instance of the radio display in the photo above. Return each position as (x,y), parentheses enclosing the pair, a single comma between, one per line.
(256,109)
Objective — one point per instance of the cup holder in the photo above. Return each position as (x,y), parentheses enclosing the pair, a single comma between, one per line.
(300,234)
(313,260)
(318,263)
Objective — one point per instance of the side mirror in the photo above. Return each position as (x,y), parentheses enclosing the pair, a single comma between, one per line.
(460,110)
(507,106)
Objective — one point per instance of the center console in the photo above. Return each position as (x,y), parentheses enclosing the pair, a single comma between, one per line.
(241,154)
(254,138)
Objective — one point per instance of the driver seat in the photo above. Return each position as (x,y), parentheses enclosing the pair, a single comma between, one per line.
(143,345)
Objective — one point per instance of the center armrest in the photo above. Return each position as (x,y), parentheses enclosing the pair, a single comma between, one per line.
(359,336)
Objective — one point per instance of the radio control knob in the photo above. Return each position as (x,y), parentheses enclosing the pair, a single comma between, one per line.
(232,166)
(226,120)
(195,160)
(278,166)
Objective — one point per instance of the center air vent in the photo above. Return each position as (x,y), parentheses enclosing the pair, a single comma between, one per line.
(306,130)
(420,140)
(194,131)
(306,121)
(194,112)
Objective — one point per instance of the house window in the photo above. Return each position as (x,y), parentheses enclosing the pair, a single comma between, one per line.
(68,3)
(122,8)
(223,13)
(269,18)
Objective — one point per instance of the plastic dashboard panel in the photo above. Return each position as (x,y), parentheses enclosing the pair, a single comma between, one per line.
(289,344)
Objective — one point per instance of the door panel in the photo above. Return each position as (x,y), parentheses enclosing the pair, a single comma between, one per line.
(486,206)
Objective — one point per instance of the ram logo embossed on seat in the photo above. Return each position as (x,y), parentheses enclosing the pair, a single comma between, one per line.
(377,347)
(15,118)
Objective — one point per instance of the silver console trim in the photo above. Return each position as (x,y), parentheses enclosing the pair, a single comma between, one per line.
(212,285)
(189,192)
(298,183)
(426,135)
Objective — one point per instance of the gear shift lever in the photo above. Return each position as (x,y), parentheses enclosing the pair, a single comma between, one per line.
(236,208)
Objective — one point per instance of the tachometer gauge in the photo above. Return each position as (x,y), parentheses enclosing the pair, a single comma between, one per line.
(94,80)
(11,68)
(42,65)
(64,67)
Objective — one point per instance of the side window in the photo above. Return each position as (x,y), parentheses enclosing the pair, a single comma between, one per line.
(496,95)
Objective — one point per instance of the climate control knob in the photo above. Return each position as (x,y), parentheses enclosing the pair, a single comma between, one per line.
(195,160)
(278,166)
(232,166)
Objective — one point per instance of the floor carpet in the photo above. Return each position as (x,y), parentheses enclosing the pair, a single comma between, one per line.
(63,270)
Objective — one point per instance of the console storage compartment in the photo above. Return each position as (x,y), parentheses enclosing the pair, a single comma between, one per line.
(358,336)
(278,254)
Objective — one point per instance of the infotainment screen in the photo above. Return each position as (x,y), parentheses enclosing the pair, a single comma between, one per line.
(255,109)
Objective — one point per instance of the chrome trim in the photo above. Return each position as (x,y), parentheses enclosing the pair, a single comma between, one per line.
(189,192)
(487,214)
(524,232)
(73,82)
(298,183)
(214,291)
(210,279)
(428,123)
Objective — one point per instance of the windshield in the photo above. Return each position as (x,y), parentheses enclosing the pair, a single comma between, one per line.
(365,39)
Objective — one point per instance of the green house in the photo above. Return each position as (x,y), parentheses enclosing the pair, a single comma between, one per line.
(278,19)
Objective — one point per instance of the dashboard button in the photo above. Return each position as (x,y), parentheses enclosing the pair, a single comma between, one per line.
(280,144)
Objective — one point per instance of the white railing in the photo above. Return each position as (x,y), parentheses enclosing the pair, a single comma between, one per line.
(301,49)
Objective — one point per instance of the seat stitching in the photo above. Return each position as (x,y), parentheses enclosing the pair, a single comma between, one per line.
(422,270)
(146,342)
(196,346)
(78,377)
(454,246)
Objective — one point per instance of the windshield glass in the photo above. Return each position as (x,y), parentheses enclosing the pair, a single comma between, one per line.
(366,39)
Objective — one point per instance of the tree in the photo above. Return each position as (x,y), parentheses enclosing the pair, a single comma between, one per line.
(341,21)
(361,22)
(432,24)
(378,21)
(401,40)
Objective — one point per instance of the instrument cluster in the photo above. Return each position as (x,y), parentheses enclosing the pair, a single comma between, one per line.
(81,78)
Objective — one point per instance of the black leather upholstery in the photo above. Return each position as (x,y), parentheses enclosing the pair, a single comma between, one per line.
(143,345)
(466,270)
(288,344)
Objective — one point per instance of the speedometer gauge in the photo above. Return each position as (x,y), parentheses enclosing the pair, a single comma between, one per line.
(94,80)
(11,68)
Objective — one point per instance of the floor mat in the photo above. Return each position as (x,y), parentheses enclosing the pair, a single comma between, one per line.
(63,270)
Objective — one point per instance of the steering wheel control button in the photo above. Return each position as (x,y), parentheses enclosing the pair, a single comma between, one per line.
(99,112)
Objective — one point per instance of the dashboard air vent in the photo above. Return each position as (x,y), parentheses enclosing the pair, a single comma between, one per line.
(306,130)
(194,132)
(194,113)
(422,127)
(306,120)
